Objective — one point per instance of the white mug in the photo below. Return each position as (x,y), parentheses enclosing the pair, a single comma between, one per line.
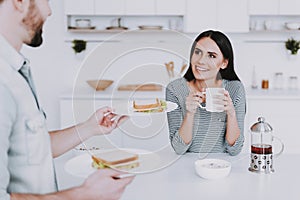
(214,100)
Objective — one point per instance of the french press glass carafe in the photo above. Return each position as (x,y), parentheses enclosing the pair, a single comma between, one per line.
(261,147)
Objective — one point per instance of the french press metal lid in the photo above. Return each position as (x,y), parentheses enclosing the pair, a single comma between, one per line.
(261,126)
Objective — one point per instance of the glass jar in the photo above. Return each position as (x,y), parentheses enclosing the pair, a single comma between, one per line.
(278,80)
(265,84)
(293,82)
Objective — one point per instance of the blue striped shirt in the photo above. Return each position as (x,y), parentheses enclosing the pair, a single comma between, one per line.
(209,127)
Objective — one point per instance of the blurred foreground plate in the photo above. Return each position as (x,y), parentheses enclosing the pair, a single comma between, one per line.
(81,166)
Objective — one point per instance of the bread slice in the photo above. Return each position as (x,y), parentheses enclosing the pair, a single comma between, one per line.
(159,106)
(119,159)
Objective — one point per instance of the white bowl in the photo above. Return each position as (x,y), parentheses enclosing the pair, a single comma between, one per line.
(292,25)
(83,23)
(212,168)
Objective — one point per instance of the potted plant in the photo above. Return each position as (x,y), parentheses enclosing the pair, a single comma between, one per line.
(292,45)
(79,45)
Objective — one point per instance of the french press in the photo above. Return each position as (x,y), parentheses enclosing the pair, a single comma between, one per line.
(261,147)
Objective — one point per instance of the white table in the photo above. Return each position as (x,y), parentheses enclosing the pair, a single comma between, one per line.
(180,181)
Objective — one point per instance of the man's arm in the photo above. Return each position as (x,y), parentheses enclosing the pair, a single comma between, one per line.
(99,185)
(101,122)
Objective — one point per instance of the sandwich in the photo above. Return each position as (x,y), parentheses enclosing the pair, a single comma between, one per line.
(159,106)
(115,159)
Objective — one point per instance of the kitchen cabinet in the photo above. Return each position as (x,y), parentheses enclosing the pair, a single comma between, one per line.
(112,7)
(274,7)
(289,7)
(263,7)
(138,7)
(133,13)
(202,15)
(148,132)
(281,110)
(228,21)
(197,18)
(170,7)
(79,7)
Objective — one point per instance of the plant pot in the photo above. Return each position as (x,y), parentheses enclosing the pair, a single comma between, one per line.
(291,56)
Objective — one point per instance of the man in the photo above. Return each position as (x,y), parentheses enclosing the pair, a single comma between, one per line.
(26,147)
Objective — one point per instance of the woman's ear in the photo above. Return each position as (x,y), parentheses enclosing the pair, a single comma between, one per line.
(224,64)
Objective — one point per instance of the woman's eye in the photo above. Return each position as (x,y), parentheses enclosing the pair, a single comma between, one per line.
(197,51)
(211,56)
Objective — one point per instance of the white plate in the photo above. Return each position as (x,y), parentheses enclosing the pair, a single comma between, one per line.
(81,166)
(128,109)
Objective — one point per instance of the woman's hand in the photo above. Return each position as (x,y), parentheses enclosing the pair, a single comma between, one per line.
(193,100)
(228,105)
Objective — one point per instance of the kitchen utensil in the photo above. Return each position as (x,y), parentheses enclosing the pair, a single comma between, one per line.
(99,85)
(261,147)
(183,67)
(212,168)
(170,69)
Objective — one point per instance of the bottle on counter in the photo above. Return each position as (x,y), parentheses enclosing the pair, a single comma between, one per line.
(265,84)
(278,80)
(254,84)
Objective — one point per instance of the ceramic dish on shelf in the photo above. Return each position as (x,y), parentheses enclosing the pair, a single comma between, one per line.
(149,27)
(99,85)
(292,25)
(82,28)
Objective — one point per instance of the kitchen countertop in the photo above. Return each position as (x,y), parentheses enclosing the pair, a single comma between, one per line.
(178,180)
(89,93)
(273,94)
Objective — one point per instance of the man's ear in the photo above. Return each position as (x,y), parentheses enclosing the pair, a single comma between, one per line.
(20,5)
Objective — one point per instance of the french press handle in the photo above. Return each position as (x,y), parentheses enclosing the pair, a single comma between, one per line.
(282,146)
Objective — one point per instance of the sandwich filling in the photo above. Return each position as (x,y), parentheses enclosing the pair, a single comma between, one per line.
(115,159)
(159,106)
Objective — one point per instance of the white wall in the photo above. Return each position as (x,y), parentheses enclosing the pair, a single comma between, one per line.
(55,66)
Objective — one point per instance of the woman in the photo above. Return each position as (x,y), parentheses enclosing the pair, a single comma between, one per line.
(193,129)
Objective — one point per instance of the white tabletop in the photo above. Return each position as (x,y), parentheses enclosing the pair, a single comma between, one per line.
(180,181)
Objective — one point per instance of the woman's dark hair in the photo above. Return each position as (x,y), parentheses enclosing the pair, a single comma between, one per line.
(225,46)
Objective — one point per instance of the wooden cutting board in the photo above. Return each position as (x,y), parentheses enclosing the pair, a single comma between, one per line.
(140,87)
